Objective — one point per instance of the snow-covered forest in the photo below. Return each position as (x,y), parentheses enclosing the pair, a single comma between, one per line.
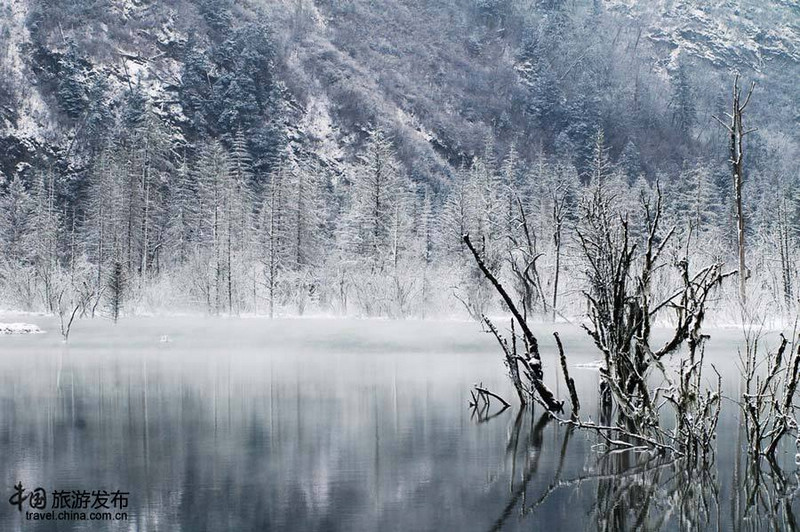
(306,157)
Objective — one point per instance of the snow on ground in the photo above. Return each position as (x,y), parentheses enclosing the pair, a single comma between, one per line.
(19,328)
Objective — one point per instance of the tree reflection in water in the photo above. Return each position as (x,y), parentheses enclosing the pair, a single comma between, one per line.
(643,490)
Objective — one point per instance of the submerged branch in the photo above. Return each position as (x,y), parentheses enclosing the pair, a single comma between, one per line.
(483,391)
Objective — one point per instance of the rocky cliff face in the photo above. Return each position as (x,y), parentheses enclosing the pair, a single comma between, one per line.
(743,34)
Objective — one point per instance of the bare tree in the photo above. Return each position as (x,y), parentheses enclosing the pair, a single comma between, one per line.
(530,360)
(523,256)
(70,297)
(737,133)
(622,309)
(768,398)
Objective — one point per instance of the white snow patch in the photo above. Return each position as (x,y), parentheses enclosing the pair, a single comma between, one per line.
(19,328)
(411,120)
(594,365)
(318,125)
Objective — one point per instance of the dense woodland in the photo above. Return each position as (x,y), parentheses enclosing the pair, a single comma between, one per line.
(327,157)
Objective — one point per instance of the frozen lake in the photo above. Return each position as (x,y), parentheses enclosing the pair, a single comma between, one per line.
(314,424)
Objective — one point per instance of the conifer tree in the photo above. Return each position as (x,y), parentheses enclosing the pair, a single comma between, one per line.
(17,223)
(116,288)
(212,177)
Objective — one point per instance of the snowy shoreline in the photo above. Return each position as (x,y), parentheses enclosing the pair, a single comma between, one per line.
(19,328)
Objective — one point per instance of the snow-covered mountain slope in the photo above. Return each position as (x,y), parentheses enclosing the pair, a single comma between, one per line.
(445,78)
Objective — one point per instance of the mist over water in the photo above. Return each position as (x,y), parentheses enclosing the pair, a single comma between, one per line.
(315,424)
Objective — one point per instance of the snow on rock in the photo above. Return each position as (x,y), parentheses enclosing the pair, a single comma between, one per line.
(19,328)
(746,32)
(33,115)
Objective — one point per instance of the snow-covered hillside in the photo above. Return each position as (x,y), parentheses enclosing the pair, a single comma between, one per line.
(441,77)
(732,34)
(330,154)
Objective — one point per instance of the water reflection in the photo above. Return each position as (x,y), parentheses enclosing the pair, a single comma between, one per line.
(337,426)
(768,496)
(531,451)
(644,491)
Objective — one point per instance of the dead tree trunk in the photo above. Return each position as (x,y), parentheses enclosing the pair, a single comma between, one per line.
(622,309)
(559,214)
(621,314)
(768,401)
(531,361)
(557,269)
(99,285)
(784,228)
(737,134)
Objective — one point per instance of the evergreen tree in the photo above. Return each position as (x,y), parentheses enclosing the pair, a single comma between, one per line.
(194,91)
(102,227)
(17,223)
(212,177)
(375,199)
(630,162)
(70,78)
(47,228)
(305,225)
(584,124)
(683,104)
(457,215)
(274,218)
(183,212)
(116,289)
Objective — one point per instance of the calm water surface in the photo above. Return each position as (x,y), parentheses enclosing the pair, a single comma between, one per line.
(249,424)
